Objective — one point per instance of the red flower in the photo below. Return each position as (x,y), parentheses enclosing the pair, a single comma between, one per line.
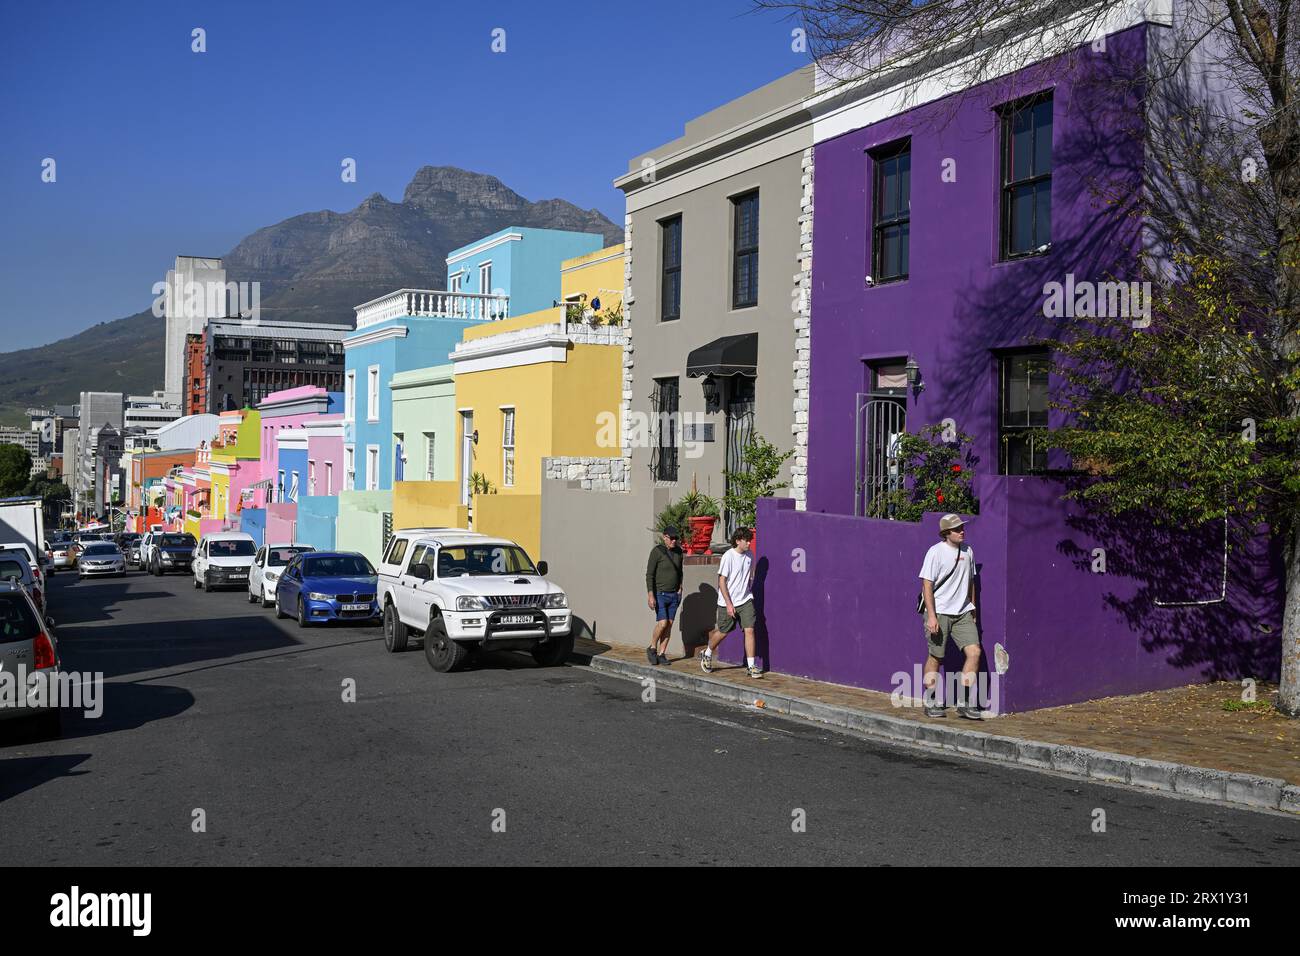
(956,469)
(939,494)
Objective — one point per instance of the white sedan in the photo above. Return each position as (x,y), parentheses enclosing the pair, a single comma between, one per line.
(267,568)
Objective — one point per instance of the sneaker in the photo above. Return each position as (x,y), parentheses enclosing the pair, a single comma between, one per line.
(970,713)
(663,659)
(754,672)
(706,663)
(650,655)
(935,710)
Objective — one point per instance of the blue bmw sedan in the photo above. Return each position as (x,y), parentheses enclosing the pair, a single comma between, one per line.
(322,586)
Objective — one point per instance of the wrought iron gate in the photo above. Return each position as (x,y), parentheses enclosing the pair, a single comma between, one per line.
(740,432)
(877,471)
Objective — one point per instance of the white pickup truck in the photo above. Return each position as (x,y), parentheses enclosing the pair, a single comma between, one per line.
(465,592)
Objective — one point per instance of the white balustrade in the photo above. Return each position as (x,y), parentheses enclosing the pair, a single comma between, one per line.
(433,303)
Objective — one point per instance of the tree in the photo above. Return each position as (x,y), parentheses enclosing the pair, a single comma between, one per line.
(15,469)
(1195,416)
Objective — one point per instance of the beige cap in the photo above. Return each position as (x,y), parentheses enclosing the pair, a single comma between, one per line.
(949,522)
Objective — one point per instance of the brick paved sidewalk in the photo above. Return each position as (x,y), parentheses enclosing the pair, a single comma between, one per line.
(1186,725)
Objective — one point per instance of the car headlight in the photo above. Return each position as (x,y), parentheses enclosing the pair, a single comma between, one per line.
(558,599)
(472,602)
(317,596)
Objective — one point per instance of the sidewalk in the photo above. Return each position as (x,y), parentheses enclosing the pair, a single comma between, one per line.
(1181,740)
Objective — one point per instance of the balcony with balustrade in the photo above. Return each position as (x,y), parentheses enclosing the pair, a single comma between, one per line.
(432,303)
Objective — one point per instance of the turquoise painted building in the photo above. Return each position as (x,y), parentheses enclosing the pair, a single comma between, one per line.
(518,261)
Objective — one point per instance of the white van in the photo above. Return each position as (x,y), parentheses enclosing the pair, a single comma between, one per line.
(223,560)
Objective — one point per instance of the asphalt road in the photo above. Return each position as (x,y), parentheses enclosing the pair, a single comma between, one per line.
(211,704)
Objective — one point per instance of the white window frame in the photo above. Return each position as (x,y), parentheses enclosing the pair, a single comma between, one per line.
(372,468)
(372,393)
(329,478)
(349,467)
(399,438)
(350,396)
(291,493)
(311,478)
(453,283)
(485,277)
(280,490)
(429,440)
(509,423)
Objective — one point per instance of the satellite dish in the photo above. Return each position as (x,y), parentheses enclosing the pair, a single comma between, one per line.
(595,305)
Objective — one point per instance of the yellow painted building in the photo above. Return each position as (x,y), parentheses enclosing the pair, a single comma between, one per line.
(540,385)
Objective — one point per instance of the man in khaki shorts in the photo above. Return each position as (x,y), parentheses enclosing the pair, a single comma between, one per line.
(735,602)
(948,590)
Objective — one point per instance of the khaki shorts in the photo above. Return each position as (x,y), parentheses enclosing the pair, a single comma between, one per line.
(960,627)
(744,613)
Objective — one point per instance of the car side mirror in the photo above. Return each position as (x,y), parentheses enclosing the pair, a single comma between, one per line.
(49,622)
(542,568)
(421,571)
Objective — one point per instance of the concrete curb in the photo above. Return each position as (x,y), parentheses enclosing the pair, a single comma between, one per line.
(1235,789)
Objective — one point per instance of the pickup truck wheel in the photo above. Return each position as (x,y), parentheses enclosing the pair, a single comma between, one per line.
(554,652)
(395,633)
(443,654)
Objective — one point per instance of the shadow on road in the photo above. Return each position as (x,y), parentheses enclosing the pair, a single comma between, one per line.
(20,774)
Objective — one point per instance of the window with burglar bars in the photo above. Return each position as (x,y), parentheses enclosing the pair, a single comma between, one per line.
(744,274)
(671,302)
(1026,176)
(664,404)
(508,447)
(428,456)
(1023,417)
(892,212)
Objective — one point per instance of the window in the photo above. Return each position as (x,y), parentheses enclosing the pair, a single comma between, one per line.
(1026,176)
(350,397)
(372,393)
(744,272)
(399,456)
(485,278)
(670,305)
(453,283)
(311,478)
(349,468)
(396,551)
(891,212)
(279,487)
(508,447)
(329,477)
(1023,400)
(293,487)
(372,468)
(428,456)
(664,404)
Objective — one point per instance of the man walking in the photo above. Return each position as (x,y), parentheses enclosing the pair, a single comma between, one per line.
(948,593)
(735,601)
(663,584)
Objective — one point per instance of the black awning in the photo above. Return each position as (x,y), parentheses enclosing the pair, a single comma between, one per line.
(729,355)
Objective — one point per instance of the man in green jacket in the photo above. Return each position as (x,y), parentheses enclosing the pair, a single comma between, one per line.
(663,584)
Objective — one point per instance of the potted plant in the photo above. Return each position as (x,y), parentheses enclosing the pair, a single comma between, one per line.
(761,464)
(701,513)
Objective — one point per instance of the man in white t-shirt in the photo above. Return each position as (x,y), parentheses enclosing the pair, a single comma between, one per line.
(735,601)
(948,590)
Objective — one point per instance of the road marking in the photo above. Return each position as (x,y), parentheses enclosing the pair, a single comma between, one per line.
(735,726)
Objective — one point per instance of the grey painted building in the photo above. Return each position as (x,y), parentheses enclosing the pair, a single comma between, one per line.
(715,302)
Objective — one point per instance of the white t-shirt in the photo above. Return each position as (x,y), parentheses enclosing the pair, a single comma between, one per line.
(736,568)
(954,596)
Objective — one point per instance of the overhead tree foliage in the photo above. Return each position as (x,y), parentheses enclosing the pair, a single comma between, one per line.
(15,469)
(1196,416)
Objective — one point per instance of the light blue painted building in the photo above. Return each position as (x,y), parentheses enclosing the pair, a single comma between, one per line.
(415,328)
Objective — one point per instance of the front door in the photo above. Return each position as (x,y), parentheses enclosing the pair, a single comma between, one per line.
(740,431)
(466,455)
(881,421)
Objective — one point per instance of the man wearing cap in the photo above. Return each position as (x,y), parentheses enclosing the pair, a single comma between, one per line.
(663,583)
(948,592)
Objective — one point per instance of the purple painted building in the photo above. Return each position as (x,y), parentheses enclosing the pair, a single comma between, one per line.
(936,229)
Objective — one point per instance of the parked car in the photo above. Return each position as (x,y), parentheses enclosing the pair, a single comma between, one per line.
(143,553)
(465,591)
(129,542)
(63,554)
(321,586)
(15,568)
(32,559)
(223,559)
(170,551)
(101,557)
(268,564)
(27,641)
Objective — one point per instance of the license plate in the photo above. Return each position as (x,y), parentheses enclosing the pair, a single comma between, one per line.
(238,577)
(515,619)
(356,607)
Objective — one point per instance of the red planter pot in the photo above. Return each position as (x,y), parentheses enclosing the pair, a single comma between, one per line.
(701,535)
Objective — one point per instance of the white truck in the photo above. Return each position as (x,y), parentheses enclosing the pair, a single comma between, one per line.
(22,521)
(464,592)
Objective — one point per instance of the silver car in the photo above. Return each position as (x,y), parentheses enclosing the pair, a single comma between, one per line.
(27,646)
(101,557)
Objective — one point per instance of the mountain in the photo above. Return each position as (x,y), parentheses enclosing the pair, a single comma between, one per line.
(314,267)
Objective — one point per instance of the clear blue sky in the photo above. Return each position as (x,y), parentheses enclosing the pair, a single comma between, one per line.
(161,151)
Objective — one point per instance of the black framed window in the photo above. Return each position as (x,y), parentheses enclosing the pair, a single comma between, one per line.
(664,403)
(1026,176)
(1022,397)
(744,271)
(670,305)
(891,211)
